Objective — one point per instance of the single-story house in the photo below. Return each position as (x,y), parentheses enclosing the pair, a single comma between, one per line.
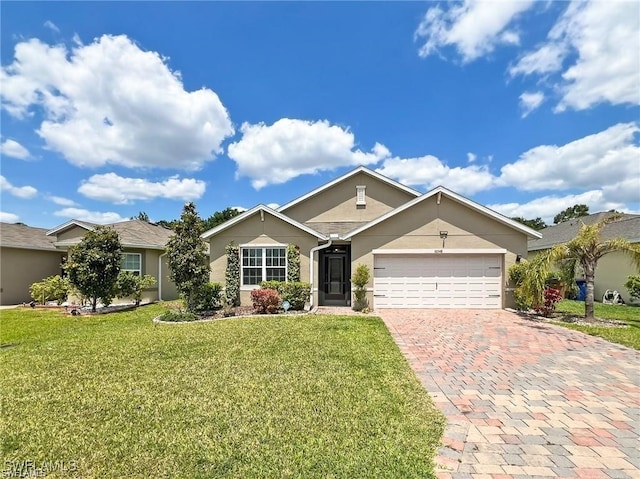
(32,254)
(432,250)
(614,268)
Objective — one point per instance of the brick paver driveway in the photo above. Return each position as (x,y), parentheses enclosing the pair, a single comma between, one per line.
(524,399)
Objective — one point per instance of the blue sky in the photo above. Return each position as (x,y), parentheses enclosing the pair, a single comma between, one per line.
(109,109)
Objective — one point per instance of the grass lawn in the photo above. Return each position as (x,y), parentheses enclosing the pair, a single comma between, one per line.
(276,396)
(628,336)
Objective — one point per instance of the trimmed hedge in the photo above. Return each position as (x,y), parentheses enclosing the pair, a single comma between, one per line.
(295,292)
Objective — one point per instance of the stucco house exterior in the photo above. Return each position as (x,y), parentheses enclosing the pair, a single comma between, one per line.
(31,254)
(614,268)
(432,250)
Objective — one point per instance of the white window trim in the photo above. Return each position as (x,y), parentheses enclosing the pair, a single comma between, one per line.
(139,255)
(262,246)
(361,195)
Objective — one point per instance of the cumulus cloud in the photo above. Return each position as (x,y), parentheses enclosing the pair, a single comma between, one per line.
(608,157)
(473,27)
(111,102)
(599,41)
(530,101)
(429,171)
(13,149)
(90,216)
(116,189)
(8,217)
(274,154)
(546,207)
(19,191)
(59,200)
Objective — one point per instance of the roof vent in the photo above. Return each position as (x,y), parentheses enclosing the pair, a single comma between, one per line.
(361,198)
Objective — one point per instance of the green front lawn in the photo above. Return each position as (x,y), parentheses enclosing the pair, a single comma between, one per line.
(628,336)
(274,396)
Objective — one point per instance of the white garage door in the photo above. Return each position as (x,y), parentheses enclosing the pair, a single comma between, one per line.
(438,281)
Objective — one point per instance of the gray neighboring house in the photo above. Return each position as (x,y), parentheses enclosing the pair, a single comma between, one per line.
(613,268)
(32,254)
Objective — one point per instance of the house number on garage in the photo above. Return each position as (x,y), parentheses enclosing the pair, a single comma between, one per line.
(437,251)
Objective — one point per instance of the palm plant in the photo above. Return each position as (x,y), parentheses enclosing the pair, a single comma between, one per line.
(584,250)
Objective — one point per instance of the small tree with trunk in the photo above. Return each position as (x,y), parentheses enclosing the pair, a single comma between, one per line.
(187,258)
(94,264)
(585,250)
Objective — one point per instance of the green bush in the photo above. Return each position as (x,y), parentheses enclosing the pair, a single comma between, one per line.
(633,286)
(359,280)
(132,285)
(295,292)
(208,297)
(232,275)
(176,316)
(54,288)
(293,263)
(517,273)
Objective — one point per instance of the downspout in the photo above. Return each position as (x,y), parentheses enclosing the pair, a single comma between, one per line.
(160,275)
(311,253)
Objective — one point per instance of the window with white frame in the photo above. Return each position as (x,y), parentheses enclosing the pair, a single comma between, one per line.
(361,198)
(268,263)
(131,262)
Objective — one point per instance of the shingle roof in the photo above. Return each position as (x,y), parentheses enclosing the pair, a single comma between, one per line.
(628,227)
(19,235)
(138,232)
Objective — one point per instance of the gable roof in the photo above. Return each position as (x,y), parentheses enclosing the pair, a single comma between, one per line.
(441,190)
(263,208)
(628,227)
(132,233)
(19,235)
(360,169)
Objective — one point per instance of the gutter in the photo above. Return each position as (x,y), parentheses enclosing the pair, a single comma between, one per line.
(311,261)
(160,275)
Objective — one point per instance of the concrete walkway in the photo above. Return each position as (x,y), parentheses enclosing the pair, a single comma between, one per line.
(524,399)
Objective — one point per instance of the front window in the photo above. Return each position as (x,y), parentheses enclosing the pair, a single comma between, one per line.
(263,264)
(131,262)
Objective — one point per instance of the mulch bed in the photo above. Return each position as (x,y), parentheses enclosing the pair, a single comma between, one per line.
(566,318)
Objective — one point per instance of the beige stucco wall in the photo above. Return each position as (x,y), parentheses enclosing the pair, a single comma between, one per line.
(419,228)
(19,268)
(257,232)
(338,203)
(74,232)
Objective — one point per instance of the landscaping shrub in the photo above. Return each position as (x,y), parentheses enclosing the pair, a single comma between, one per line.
(265,300)
(293,263)
(296,292)
(54,288)
(175,316)
(232,275)
(208,297)
(551,297)
(132,285)
(517,273)
(633,286)
(360,279)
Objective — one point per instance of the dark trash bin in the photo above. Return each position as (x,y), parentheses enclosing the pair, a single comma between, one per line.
(582,289)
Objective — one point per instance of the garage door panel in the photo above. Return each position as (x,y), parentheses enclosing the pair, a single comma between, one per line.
(438,281)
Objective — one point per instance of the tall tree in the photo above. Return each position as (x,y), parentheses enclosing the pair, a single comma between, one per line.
(219,217)
(94,264)
(536,224)
(585,250)
(188,262)
(142,216)
(575,211)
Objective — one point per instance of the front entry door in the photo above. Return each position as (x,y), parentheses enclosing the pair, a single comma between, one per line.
(335,289)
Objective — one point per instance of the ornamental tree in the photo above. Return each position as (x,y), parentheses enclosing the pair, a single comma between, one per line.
(94,264)
(187,257)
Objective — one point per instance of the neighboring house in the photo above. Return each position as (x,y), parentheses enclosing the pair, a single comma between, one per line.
(27,255)
(432,250)
(31,254)
(613,268)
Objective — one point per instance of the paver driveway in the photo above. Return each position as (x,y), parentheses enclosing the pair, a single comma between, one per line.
(524,399)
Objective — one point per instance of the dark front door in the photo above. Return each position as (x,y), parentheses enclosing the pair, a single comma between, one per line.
(334,277)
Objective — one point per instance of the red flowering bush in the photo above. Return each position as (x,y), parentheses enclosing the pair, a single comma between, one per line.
(265,301)
(551,298)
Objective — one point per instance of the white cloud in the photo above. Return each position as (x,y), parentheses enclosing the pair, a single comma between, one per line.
(605,158)
(546,207)
(19,191)
(8,217)
(59,200)
(274,154)
(474,27)
(429,171)
(51,26)
(116,189)
(471,157)
(112,102)
(603,38)
(13,149)
(530,101)
(90,216)
(240,209)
